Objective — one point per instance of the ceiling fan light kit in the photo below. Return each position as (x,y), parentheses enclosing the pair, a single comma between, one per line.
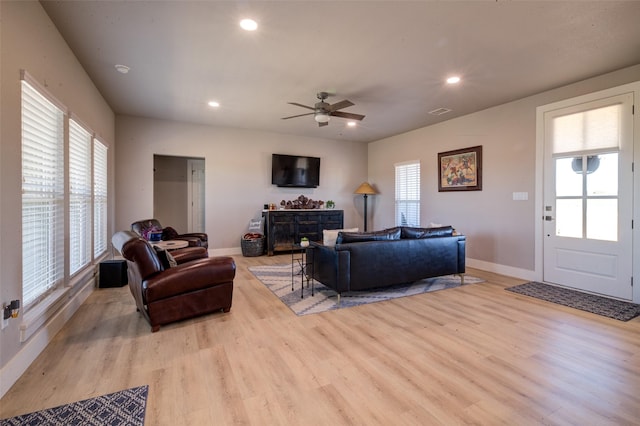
(321,117)
(322,111)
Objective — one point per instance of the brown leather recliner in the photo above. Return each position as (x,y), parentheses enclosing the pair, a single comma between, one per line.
(198,285)
(195,239)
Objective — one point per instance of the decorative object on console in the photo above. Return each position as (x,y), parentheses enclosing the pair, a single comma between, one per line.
(330,204)
(302,202)
(460,170)
(304,242)
(365,189)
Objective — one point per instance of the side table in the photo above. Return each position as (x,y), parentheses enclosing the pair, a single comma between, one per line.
(170,244)
(300,255)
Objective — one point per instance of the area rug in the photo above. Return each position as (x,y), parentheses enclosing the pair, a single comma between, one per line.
(277,278)
(125,407)
(612,308)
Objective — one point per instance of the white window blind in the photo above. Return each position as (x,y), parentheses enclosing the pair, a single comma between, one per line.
(42,195)
(408,194)
(99,198)
(80,197)
(595,129)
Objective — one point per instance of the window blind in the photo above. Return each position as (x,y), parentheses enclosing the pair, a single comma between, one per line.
(80,197)
(42,195)
(99,198)
(408,194)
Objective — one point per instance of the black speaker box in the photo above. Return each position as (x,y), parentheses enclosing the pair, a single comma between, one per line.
(112,273)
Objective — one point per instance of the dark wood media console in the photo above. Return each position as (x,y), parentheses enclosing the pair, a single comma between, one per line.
(283,228)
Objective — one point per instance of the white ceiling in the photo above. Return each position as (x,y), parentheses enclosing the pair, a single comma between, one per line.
(390,58)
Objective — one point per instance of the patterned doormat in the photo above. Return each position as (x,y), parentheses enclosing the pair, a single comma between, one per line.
(277,278)
(125,407)
(612,308)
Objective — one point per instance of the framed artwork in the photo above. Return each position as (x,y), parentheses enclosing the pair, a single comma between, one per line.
(460,170)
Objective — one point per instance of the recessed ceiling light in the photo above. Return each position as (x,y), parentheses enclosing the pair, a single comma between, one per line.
(213,104)
(249,24)
(351,123)
(453,80)
(122,68)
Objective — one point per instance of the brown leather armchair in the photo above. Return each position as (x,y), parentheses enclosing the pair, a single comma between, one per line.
(195,239)
(198,285)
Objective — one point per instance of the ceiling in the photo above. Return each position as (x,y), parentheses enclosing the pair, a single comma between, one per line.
(390,58)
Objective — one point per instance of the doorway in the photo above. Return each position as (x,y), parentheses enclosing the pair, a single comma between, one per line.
(587,215)
(179,192)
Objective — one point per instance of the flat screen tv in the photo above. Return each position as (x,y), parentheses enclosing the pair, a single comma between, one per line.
(295,171)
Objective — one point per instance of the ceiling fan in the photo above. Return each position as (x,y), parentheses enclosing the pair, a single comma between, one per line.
(322,110)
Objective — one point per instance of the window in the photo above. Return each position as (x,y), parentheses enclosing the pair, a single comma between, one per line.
(79,197)
(42,195)
(64,203)
(99,198)
(408,194)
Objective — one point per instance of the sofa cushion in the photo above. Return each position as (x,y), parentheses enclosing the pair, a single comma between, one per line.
(413,233)
(165,257)
(358,237)
(329,236)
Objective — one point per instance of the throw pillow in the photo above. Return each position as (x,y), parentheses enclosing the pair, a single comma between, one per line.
(358,237)
(168,233)
(329,236)
(166,259)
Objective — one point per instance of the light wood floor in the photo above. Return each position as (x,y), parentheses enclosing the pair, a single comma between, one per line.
(472,355)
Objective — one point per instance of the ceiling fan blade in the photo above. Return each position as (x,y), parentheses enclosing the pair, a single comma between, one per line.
(347,115)
(323,124)
(340,105)
(299,115)
(300,105)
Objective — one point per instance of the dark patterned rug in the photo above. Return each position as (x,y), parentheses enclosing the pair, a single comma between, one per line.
(612,308)
(126,407)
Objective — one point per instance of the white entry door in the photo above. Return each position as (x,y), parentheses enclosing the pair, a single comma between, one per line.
(588,190)
(196,195)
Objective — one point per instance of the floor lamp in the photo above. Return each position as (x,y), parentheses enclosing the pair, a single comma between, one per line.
(365,189)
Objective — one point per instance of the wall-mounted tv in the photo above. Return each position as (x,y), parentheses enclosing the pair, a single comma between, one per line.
(295,171)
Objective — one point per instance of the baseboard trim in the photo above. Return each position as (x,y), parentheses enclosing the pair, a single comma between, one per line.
(16,367)
(509,271)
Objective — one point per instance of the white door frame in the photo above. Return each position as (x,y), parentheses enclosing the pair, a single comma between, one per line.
(539,178)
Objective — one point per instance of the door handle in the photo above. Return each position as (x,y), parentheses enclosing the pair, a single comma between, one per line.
(548,218)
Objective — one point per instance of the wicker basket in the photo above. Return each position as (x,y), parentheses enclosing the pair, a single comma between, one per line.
(253,247)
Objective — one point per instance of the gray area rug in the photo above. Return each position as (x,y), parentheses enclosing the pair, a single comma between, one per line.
(612,308)
(277,278)
(125,407)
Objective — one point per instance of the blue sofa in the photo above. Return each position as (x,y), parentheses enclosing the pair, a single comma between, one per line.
(367,260)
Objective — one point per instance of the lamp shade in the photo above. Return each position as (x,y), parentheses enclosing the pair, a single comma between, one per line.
(365,189)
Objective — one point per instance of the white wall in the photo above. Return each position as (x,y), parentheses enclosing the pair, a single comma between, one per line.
(30,41)
(237,175)
(500,231)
